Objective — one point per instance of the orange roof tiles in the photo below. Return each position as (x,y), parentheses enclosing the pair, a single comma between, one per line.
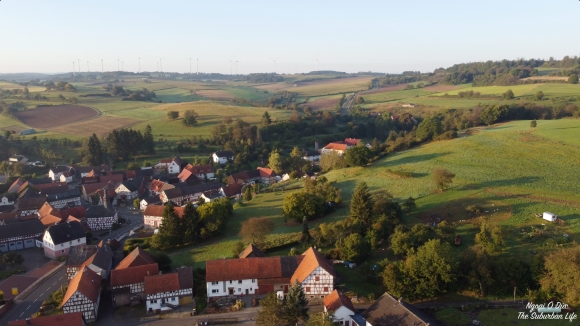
(86,282)
(161,283)
(136,257)
(312,260)
(336,300)
(157,210)
(132,275)
(336,146)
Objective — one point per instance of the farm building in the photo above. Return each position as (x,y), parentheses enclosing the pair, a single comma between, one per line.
(83,294)
(390,311)
(340,305)
(17,159)
(261,175)
(168,291)
(58,239)
(222,157)
(172,165)
(20,235)
(550,217)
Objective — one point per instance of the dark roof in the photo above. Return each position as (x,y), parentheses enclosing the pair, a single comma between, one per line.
(30,203)
(77,255)
(102,258)
(252,251)
(144,172)
(28,192)
(178,160)
(60,169)
(312,153)
(70,319)
(133,184)
(232,189)
(96,211)
(86,282)
(173,193)
(10,196)
(39,181)
(63,195)
(224,153)
(152,200)
(389,311)
(64,232)
(185,275)
(21,229)
(57,189)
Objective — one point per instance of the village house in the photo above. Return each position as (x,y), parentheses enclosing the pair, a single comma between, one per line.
(83,295)
(30,205)
(153,215)
(155,187)
(66,177)
(311,156)
(130,189)
(20,235)
(100,217)
(17,159)
(233,190)
(128,284)
(58,239)
(101,261)
(77,255)
(251,251)
(188,176)
(340,147)
(71,319)
(55,172)
(48,215)
(183,195)
(168,291)
(211,195)
(152,200)
(390,311)
(102,169)
(172,165)
(243,276)
(340,306)
(69,198)
(89,190)
(260,175)
(222,157)
(7,199)
(203,172)
(128,278)
(15,186)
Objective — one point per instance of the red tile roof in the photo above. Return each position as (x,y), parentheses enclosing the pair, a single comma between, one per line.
(76,211)
(131,174)
(312,260)
(115,178)
(267,173)
(251,268)
(336,146)
(161,283)
(86,282)
(132,275)
(157,210)
(71,319)
(156,185)
(137,257)
(200,169)
(48,215)
(336,299)
(187,175)
(252,251)
(351,141)
(93,187)
(232,189)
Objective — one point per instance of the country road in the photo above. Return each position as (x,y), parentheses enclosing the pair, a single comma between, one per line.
(32,302)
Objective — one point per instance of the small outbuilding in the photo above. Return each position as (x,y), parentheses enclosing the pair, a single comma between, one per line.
(550,217)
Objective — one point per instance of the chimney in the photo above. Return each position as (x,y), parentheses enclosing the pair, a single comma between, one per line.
(316,144)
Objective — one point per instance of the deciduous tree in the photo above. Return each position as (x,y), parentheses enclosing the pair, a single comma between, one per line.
(255,230)
(442,178)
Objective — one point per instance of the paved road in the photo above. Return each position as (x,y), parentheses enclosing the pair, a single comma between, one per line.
(32,302)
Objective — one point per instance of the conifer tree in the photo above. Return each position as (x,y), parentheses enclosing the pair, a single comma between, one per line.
(361,206)
(295,306)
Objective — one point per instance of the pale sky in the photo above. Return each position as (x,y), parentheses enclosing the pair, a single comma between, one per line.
(382,36)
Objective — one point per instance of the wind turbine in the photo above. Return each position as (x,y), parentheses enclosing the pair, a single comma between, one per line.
(122,64)
(231,67)
(73,68)
(275,64)
(139,64)
(160,65)
(87,65)
(197,59)
(317,64)
(190,66)
(102,67)
(236,62)
(118,61)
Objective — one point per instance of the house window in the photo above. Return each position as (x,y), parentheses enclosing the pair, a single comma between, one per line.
(307,289)
(214,283)
(78,240)
(151,301)
(231,282)
(317,278)
(239,281)
(326,289)
(251,290)
(253,280)
(239,290)
(62,251)
(215,291)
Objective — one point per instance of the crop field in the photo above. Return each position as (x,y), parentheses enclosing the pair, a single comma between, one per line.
(550,89)
(332,86)
(385,89)
(217,94)
(100,126)
(52,116)
(273,86)
(389,96)
(324,102)
(176,95)
(7,85)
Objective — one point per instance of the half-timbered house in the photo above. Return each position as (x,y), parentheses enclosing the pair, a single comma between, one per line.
(20,235)
(101,261)
(260,175)
(58,239)
(83,294)
(168,291)
(153,215)
(127,279)
(101,217)
(130,189)
(315,274)
(30,205)
(77,255)
(152,200)
(68,198)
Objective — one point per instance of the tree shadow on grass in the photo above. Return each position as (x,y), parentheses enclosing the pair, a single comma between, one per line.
(411,159)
